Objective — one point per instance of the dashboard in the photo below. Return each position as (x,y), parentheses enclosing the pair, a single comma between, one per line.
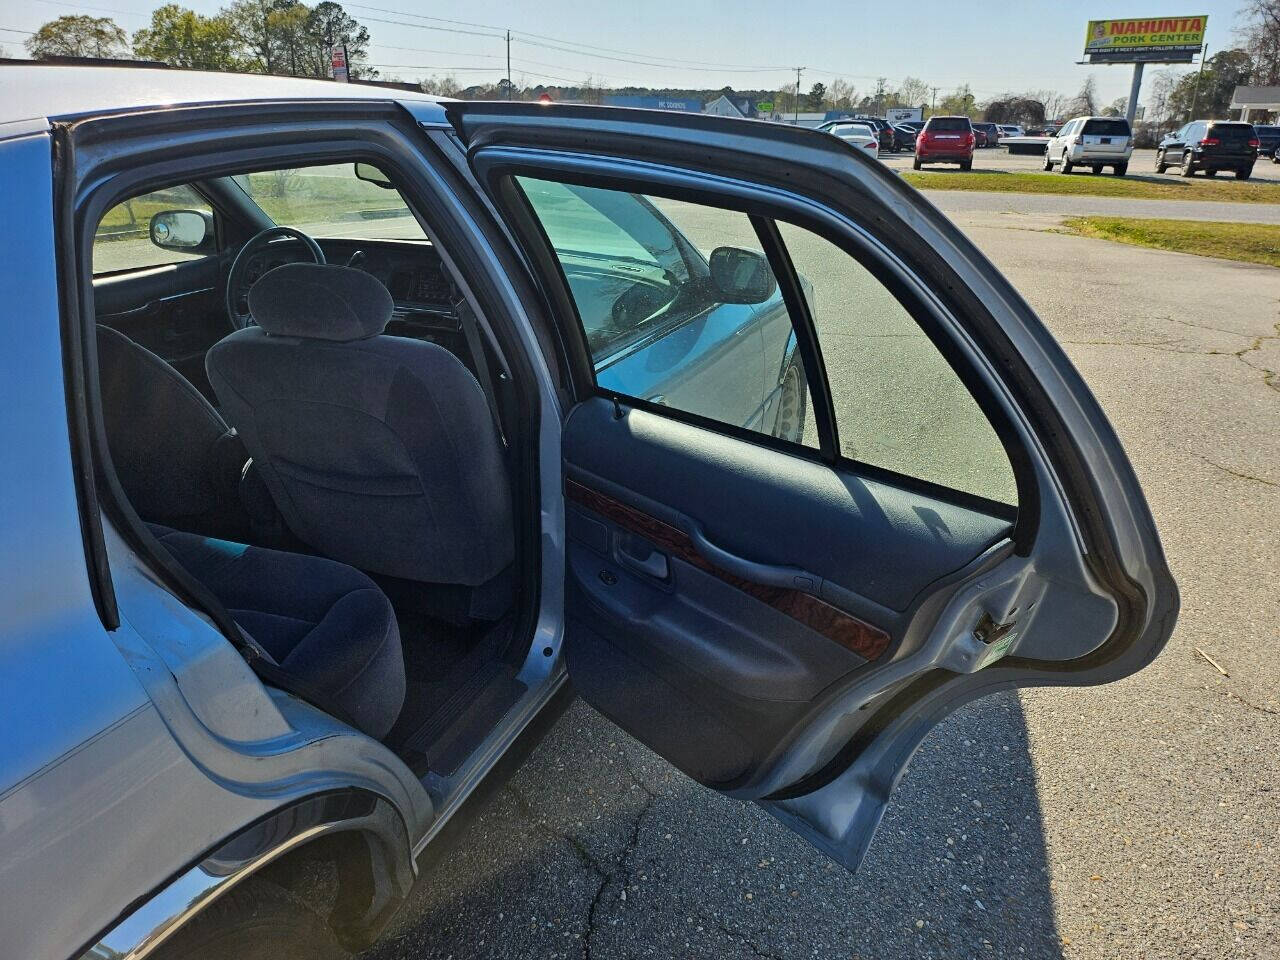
(421,288)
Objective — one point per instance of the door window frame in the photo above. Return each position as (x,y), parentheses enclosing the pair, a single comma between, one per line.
(497,168)
(374,132)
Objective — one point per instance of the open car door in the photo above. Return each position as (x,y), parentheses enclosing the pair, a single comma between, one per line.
(827,477)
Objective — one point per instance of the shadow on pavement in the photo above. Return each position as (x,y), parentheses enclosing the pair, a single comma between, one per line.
(598,849)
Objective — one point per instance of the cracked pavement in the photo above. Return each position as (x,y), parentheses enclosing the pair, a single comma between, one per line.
(1141,819)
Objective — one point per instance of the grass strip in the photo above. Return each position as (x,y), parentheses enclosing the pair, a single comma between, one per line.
(1246,242)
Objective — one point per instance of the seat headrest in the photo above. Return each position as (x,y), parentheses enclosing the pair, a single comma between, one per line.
(320,302)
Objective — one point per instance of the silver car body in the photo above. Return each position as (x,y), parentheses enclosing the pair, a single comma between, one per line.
(1074,143)
(146,768)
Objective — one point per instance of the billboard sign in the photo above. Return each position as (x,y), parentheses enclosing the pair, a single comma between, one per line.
(340,64)
(899,114)
(1155,40)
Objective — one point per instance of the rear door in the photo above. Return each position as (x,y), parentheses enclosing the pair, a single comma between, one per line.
(785,614)
(1106,136)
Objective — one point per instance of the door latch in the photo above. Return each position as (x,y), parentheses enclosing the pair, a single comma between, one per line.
(988,631)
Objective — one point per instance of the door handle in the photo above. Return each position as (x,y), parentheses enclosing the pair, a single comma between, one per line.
(652,564)
(773,575)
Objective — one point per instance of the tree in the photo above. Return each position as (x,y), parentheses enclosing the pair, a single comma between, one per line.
(330,26)
(817,96)
(251,20)
(1210,95)
(184,38)
(1158,100)
(1261,35)
(1014,109)
(1116,108)
(913,92)
(446,86)
(959,103)
(1086,101)
(78,35)
(841,93)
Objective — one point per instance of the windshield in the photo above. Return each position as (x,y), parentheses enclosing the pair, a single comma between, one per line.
(330,201)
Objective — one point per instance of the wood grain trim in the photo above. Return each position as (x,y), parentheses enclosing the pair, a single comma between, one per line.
(833,623)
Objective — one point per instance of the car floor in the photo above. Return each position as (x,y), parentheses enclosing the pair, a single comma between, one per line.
(459,680)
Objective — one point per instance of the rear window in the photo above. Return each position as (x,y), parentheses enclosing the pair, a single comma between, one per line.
(1107,128)
(1269,131)
(948,124)
(1231,132)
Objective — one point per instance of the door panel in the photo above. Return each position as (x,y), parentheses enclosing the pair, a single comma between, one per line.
(720,591)
(175,311)
(784,623)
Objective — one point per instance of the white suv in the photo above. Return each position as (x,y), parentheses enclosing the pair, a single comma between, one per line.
(1093,142)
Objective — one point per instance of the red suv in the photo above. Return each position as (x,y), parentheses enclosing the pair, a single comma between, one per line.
(946,140)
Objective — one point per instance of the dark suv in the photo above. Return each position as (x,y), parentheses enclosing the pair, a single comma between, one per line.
(1268,141)
(1210,145)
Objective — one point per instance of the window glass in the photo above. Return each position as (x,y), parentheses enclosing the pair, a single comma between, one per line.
(123,238)
(898,403)
(678,304)
(1099,127)
(948,124)
(331,201)
(1232,132)
(680,308)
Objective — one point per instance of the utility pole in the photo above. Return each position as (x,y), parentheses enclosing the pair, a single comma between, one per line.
(934,106)
(508,64)
(880,95)
(1204,55)
(799,70)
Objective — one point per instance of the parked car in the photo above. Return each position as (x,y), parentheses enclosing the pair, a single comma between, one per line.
(883,131)
(1010,130)
(945,140)
(1268,140)
(1093,142)
(904,137)
(349,425)
(986,134)
(1210,145)
(857,134)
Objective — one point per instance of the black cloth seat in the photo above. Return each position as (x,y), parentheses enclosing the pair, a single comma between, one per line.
(321,620)
(175,457)
(379,451)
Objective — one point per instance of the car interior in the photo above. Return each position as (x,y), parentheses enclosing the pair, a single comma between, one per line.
(298,417)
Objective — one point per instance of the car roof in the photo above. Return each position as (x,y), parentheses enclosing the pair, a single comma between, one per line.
(64,91)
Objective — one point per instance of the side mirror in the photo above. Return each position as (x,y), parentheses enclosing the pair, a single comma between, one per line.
(371,174)
(186,231)
(741,276)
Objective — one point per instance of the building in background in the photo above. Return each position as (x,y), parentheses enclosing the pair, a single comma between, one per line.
(1256,104)
(653,103)
(722,106)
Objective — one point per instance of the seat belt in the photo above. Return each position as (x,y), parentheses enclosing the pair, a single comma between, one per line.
(471,330)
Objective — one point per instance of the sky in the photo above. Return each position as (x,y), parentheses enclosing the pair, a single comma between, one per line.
(995,47)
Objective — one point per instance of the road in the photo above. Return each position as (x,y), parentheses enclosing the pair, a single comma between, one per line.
(1140,819)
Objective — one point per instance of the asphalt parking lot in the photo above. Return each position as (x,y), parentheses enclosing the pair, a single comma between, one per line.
(1142,164)
(1140,819)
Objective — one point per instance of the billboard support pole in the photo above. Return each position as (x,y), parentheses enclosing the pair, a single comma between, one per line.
(1132,110)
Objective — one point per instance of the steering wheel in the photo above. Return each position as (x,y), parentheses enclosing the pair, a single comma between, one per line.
(238,284)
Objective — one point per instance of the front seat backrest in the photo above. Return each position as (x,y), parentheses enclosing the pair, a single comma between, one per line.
(379,451)
(165,438)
